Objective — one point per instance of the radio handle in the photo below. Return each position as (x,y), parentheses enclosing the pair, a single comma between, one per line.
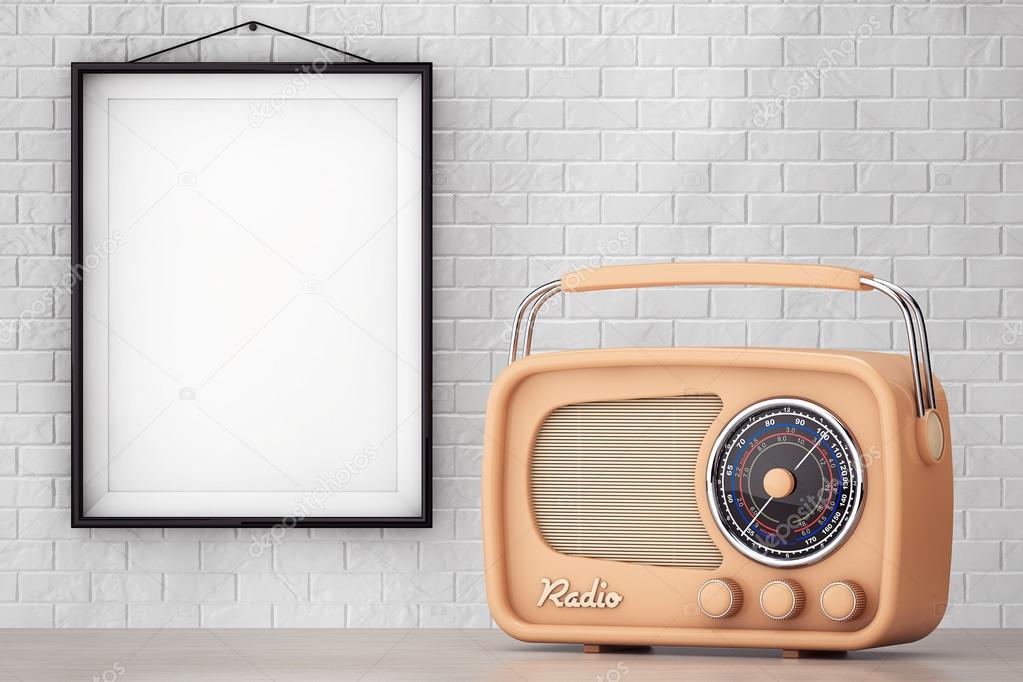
(739,273)
(714,274)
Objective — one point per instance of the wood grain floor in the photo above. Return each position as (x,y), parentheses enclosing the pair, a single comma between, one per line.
(308,655)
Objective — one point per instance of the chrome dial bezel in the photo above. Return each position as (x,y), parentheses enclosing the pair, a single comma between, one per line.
(856,459)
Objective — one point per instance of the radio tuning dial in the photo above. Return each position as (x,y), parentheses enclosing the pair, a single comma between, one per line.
(785,482)
(719,598)
(782,599)
(843,600)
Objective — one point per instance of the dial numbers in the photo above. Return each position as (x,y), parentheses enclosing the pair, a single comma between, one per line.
(785,482)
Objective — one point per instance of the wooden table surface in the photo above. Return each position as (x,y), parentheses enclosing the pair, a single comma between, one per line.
(307,655)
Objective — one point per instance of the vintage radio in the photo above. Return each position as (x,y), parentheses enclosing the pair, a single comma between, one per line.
(737,497)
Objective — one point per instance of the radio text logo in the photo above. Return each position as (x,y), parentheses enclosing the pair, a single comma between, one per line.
(557,592)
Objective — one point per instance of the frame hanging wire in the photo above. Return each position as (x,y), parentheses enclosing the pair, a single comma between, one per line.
(253,25)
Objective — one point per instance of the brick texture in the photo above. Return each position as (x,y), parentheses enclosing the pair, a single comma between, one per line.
(882,136)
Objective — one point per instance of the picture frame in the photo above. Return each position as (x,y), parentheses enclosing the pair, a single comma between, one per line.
(238,400)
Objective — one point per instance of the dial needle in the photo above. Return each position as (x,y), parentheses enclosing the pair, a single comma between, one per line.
(812,448)
(757,515)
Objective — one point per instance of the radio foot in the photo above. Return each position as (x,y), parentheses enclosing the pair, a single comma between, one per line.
(803,653)
(611,648)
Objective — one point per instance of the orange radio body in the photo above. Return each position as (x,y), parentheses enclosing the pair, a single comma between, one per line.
(736,497)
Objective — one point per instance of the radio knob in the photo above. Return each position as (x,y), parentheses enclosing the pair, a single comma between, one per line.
(719,598)
(779,482)
(843,600)
(782,599)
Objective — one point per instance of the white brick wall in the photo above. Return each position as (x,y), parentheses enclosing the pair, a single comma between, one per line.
(883,136)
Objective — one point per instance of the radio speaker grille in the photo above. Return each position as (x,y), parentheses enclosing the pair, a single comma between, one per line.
(616,480)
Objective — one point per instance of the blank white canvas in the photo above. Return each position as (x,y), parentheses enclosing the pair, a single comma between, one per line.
(252,320)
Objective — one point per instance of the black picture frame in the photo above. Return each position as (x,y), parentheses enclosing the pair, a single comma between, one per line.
(78,517)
